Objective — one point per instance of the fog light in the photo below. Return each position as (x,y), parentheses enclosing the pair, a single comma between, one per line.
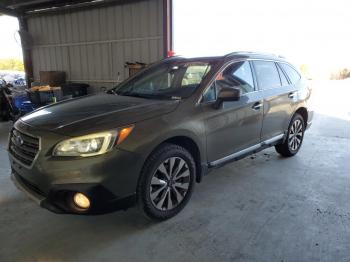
(81,200)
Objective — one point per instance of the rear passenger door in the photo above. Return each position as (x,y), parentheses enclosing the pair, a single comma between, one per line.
(279,98)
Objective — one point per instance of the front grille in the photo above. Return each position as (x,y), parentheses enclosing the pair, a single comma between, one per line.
(23,147)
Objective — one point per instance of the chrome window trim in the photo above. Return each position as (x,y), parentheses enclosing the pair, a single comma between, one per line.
(271,88)
(293,67)
(279,68)
(227,64)
(222,68)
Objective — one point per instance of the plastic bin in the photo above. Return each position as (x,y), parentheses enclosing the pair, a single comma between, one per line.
(45,97)
(74,89)
(22,103)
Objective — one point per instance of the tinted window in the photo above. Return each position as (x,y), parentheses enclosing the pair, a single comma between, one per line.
(267,74)
(291,72)
(283,77)
(238,75)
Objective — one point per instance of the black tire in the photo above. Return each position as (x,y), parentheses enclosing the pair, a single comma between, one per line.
(152,180)
(290,148)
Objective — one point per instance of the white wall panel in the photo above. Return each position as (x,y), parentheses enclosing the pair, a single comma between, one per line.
(93,45)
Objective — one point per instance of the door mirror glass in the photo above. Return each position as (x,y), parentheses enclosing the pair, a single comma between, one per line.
(227,94)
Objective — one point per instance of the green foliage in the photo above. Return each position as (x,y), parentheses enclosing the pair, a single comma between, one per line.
(11,64)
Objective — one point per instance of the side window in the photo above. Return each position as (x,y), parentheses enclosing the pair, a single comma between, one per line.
(238,75)
(293,75)
(283,77)
(267,74)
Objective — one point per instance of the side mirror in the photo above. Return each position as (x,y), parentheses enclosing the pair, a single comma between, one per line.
(227,94)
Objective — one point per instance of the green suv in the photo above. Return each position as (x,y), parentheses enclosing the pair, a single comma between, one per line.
(151,138)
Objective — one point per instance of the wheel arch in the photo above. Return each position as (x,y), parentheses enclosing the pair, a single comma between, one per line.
(191,146)
(303,112)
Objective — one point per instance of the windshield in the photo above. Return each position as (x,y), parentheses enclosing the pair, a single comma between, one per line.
(174,80)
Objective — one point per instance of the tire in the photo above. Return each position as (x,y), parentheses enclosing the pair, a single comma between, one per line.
(294,139)
(163,191)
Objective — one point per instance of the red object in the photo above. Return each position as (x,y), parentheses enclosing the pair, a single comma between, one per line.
(219,77)
(170,53)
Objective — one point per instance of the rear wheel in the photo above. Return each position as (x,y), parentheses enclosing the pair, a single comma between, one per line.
(294,138)
(166,182)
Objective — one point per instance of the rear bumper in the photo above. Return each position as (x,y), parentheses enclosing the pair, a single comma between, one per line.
(59,199)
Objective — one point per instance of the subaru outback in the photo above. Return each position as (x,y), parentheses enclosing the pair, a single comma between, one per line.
(151,138)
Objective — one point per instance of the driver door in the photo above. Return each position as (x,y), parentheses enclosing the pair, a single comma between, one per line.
(236,125)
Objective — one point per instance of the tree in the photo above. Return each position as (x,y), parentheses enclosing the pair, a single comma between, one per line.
(11,64)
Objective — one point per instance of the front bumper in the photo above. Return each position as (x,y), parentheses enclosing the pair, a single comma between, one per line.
(59,199)
(109,180)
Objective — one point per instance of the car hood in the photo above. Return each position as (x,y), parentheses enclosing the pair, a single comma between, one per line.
(97,113)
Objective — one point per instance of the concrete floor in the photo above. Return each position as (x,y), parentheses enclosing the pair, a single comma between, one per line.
(262,208)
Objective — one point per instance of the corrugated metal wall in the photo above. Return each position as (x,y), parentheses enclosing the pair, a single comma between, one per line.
(93,45)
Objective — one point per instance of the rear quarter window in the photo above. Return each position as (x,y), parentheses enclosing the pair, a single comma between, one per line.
(283,77)
(293,75)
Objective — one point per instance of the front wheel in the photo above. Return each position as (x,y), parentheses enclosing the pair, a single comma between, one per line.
(294,138)
(166,182)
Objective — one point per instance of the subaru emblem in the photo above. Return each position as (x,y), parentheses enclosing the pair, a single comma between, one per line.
(18,140)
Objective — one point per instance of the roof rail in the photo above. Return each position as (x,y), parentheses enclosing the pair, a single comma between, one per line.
(253,53)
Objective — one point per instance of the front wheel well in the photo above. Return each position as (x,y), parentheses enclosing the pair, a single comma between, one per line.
(191,147)
(303,112)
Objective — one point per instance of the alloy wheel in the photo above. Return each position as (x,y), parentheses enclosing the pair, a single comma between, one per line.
(170,183)
(295,135)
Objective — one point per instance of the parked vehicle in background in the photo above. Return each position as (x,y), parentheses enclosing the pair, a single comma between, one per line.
(150,139)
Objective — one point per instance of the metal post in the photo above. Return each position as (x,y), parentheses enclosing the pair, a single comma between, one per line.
(27,53)
(167,26)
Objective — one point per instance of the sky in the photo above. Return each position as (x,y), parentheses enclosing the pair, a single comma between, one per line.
(315,33)
(311,32)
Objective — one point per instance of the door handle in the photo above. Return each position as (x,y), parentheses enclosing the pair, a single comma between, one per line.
(257,106)
(291,95)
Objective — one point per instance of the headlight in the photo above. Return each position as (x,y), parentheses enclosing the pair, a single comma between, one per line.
(92,145)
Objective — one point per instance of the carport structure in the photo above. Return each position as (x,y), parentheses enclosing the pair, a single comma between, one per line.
(91,40)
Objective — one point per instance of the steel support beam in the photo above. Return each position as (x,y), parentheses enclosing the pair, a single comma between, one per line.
(167,26)
(27,53)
